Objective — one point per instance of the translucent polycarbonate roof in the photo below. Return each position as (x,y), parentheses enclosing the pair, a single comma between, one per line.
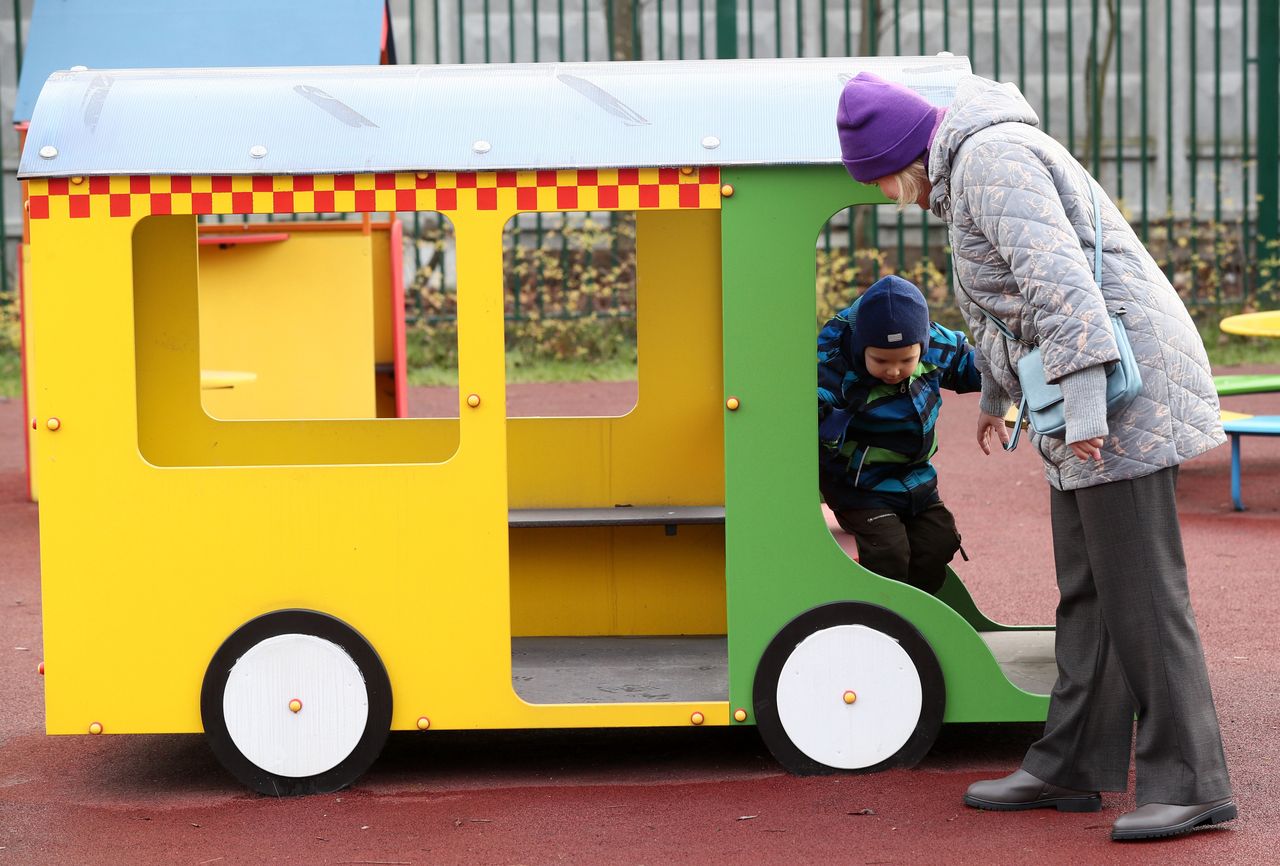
(329,120)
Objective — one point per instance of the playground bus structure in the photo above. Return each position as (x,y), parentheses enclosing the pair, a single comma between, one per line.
(298,587)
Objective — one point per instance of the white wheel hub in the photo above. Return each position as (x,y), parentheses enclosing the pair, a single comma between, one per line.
(849,696)
(295,669)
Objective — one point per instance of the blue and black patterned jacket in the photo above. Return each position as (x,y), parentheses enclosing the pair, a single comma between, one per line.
(876,439)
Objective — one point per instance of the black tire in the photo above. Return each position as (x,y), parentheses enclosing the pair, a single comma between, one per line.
(312,624)
(779,650)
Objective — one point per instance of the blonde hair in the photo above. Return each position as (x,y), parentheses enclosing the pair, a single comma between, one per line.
(911,182)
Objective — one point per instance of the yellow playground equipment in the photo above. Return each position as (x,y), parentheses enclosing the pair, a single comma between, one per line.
(298,585)
(302,320)
(297,320)
(295,356)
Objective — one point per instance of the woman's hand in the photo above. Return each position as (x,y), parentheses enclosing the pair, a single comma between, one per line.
(1088,449)
(993,424)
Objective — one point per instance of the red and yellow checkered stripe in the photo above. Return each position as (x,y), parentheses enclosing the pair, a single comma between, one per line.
(563,190)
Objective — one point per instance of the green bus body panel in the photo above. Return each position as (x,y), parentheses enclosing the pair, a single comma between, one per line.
(781,559)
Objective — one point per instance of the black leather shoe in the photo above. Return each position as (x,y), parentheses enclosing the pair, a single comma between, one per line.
(1156,820)
(1021,790)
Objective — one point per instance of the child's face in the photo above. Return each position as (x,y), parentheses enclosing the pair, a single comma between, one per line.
(892,366)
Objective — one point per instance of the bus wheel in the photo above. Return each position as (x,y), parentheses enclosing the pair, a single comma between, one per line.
(848,686)
(296,702)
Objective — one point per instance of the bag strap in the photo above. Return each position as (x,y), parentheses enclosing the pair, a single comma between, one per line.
(994,319)
(1097,234)
(1097,278)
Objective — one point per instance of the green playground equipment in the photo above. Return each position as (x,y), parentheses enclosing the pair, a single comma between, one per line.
(1241,383)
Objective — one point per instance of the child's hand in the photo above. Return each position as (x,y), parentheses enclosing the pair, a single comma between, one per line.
(988,424)
(1088,449)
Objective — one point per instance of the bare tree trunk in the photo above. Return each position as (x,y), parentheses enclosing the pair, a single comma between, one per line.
(1094,67)
(625,43)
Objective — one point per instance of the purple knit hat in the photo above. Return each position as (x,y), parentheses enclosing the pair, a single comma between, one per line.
(883,126)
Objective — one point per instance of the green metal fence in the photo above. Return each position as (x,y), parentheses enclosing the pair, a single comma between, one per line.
(1173,104)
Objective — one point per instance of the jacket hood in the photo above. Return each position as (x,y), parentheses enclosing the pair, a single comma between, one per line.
(979,103)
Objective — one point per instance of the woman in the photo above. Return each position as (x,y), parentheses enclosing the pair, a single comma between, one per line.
(1021,218)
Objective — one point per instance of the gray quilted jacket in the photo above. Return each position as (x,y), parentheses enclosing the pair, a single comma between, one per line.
(1022,237)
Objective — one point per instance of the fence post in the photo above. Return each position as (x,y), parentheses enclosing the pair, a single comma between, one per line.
(1268,36)
(726,29)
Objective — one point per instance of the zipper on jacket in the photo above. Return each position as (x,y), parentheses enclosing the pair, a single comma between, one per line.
(859,473)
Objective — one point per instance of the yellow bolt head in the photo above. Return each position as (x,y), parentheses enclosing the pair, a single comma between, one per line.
(423,723)
(740,715)
(53,423)
(687,170)
(295,705)
(727,190)
(732,404)
(77,180)
(422,175)
(95,728)
(473,400)
(850,697)
(697,718)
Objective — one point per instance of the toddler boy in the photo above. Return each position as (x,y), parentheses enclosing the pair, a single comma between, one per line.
(881,367)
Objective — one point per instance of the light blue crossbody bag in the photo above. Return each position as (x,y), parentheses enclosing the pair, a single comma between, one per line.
(1042,403)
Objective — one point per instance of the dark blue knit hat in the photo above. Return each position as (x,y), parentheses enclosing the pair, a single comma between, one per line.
(891,314)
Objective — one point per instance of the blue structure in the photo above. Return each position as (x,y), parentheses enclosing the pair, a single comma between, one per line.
(131,34)
(1262,425)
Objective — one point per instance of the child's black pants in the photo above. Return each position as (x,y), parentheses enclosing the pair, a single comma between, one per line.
(914,549)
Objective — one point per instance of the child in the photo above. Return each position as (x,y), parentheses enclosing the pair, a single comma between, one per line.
(881,365)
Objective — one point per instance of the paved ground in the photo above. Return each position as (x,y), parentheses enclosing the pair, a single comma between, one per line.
(683,796)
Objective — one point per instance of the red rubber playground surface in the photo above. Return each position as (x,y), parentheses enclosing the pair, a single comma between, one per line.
(666,796)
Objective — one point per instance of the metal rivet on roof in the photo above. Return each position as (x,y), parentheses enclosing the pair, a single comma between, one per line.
(257,151)
(945,54)
(79,68)
(710,142)
(482,146)
(48,151)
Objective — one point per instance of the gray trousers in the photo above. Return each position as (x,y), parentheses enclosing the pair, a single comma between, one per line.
(1127,642)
